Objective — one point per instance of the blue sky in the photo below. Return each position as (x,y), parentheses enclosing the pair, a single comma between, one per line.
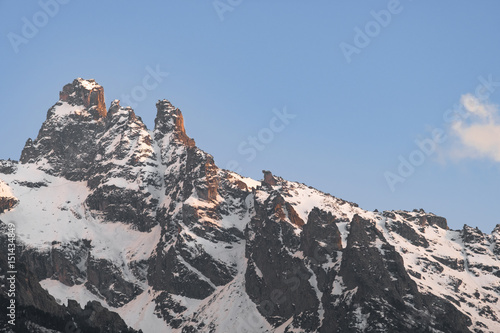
(361,91)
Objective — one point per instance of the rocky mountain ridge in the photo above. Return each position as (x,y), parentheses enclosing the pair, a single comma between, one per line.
(140,228)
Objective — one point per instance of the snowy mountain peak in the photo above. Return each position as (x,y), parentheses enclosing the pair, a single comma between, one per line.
(169,119)
(86,93)
(88,84)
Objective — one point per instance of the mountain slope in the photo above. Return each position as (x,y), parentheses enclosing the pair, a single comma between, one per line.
(142,223)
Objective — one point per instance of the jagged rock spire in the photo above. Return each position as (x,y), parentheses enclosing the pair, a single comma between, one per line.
(170,119)
(269,178)
(66,142)
(87,93)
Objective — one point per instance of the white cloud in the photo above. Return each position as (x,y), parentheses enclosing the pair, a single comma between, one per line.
(478,131)
(473,105)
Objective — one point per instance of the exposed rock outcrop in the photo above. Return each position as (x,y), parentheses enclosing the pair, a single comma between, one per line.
(104,278)
(269,178)
(434,220)
(275,280)
(87,93)
(169,119)
(7,203)
(8,167)
(320,236)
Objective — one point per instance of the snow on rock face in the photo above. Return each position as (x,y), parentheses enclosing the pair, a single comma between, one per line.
(144,223)
(7,199)
(125,179)
(66,143)
(459,266)
(5,191)
(170,120)
(86,93)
